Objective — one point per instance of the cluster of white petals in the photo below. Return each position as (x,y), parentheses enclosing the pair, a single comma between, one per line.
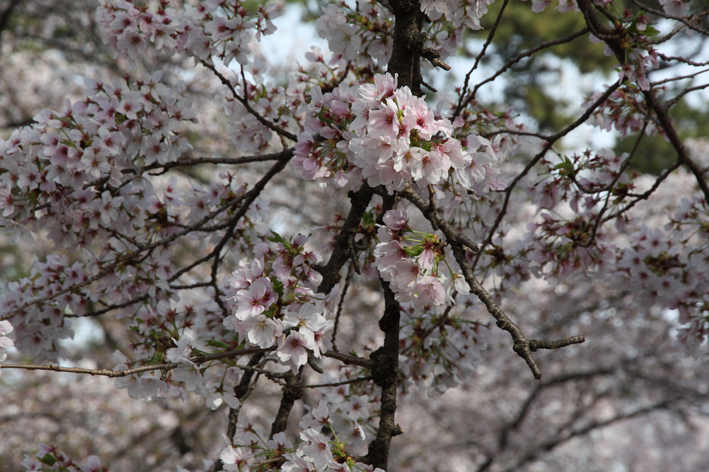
(5,342)
(461,13)
(275,302)
(415,272)
(392,138)
(213,29)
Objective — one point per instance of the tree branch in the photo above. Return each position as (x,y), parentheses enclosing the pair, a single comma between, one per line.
(385,371)
(614,41)
(407,43)
(291,392)
(247,105)
(462,103)
(148,368)
(331,271)
(522,346)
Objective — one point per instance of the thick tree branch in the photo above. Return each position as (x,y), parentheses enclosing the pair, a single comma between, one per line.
(385,371)
(331,271)
(408,42)
(292,391)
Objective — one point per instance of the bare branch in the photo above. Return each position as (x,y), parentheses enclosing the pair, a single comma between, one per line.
(522,346)
(337,384)
(285,154)
(137,370)
(510,63)
(247,105)
(488,41)
(552,139)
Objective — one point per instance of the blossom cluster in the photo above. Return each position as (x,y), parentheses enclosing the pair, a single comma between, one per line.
(51,458)
(345,409)
(667,265)
(624,110)
(47,278)
(330,434)
(213,32)
(568,199)
(60,286)
(215,385)
(213,29)
(5,342)
(87,154)
(391,137)
(670,273)
(461,13)
(274,301)
(315,453)
(415,272)
(438,351)
(361,35)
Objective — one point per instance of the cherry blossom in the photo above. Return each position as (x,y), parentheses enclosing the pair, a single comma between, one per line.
(183,200)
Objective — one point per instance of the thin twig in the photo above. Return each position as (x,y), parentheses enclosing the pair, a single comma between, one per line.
(126,372)
(348,279)
(337,384)
(522,346)
(552,139)
(490,36)
(247,105)
(512,62)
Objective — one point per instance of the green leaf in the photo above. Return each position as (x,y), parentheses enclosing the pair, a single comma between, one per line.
(650,31)
(277,238)
(368,218)
(414,251)
(48,459)
(564,164)
(277,286)
(216,343)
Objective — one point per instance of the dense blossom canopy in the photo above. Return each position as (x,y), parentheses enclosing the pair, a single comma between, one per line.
(440,210)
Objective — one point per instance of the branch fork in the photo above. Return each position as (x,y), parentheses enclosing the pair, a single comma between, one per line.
(459,243)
